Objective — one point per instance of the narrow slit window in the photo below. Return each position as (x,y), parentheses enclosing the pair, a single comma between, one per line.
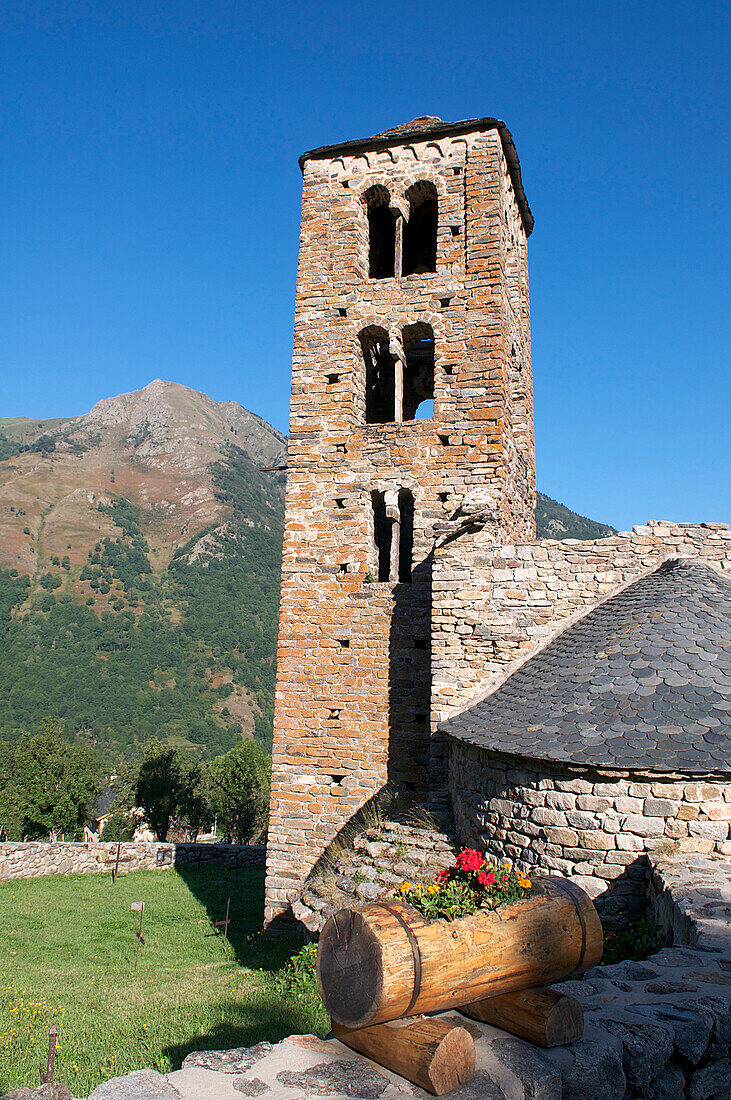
(381,536)
(381,234)
(406,535)
(380,376)
(420,232)
(418,388)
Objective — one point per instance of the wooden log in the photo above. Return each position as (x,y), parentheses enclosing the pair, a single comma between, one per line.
(542,1016)
(385,961)
(438,1055)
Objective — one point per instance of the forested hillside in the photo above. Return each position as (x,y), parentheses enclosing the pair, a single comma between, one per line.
(154,628)
(556,521)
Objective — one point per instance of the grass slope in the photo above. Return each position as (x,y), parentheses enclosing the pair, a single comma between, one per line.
(69,958)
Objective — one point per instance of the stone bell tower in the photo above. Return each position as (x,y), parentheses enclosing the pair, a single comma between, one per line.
(411,401)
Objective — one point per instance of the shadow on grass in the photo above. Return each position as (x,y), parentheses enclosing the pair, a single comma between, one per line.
(270,1020)
(212,887)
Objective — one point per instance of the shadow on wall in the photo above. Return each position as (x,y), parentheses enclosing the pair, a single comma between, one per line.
(409,684)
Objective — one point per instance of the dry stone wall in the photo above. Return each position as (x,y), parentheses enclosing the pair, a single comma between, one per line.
(35,858)
(354,662)
(494,605)
(596,826)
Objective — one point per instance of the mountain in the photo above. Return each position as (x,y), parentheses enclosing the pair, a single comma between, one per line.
(140,549)
(556,521)
(139,571)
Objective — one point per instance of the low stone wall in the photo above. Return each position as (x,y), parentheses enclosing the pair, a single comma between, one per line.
(594,825)
(35,858)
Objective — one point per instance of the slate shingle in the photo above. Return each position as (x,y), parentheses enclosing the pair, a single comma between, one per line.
(652,664)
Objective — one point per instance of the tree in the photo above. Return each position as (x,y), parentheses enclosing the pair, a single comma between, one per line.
(238,790)
(166,786)
(50,784)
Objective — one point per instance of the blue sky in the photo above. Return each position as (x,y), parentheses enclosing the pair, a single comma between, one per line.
(150,196)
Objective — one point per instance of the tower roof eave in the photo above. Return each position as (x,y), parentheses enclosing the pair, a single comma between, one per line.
(430,128)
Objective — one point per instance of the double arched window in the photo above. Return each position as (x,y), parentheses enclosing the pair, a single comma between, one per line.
(397,245)
(399,374)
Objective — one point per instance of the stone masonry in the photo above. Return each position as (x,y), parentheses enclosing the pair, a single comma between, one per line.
(354,656)
(597,826)
(31,859)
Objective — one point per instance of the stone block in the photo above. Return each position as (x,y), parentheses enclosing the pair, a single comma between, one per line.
(659,807)
(596,840)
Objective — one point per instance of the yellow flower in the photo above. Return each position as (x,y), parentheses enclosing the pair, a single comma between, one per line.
(432,889)
(404,887)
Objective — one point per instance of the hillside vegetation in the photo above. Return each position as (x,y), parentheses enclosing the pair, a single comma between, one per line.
(159,618)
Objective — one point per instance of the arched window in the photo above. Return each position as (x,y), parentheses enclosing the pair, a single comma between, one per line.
(381,233)
(420,231)
(380,377)
(418,388)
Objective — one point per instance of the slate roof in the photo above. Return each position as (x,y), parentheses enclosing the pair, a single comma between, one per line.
(642,681)
(429,126)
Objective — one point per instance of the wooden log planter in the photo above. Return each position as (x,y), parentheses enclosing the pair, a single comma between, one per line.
(385,961)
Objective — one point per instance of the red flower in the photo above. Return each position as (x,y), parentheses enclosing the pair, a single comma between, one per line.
(490,876)
(443,876)
(470,860)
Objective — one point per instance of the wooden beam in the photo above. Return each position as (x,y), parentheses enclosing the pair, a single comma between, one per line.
(542,1016)
(437,1055)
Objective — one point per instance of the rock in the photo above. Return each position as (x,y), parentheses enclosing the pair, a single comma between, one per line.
(252,1087)
(718,1014)
(690,1030)
(143,1084)
(713,1080)
(53,1091)
(481,1087)
(596,1073)
(668,1085)
(357,1079)
(237,1060)
(369,890)
(540,1079)
(645,1050)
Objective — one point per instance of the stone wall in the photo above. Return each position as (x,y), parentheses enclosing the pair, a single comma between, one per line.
(353,665)
(35,858)
(493,605)
(595,825)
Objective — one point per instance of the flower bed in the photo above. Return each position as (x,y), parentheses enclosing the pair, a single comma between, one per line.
(470,884)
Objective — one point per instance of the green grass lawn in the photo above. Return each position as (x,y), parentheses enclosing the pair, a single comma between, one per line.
(68,957)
